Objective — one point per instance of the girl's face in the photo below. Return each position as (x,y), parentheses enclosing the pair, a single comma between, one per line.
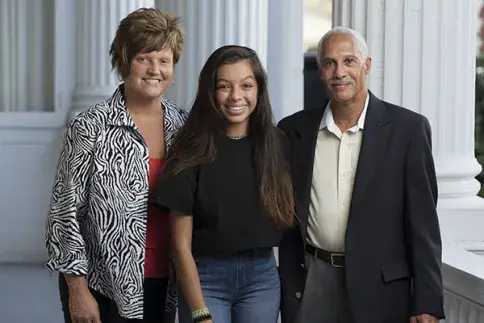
(236,95)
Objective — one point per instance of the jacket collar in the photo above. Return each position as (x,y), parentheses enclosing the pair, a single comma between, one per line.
(327,120)
(118,113)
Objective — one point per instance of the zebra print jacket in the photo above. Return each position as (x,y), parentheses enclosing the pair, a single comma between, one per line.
(96,225)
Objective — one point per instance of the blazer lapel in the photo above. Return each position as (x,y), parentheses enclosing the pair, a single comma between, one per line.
(375,139)
(303,149)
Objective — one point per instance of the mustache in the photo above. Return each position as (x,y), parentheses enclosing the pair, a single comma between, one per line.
(339,82)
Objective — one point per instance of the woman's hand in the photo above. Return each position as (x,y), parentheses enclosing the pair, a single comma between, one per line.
(83,307)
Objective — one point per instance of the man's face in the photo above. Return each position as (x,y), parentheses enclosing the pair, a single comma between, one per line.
(342,69)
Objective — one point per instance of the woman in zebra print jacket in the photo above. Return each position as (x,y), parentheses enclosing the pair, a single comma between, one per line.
(108,244)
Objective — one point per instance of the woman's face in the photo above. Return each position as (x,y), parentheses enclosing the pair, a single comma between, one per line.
(150,74)
(236,93)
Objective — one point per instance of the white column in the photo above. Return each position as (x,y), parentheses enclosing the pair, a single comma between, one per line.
(25,84)
(286,51)
(97,22)
(40,76)
(424,55)
(209,24)
(10,22)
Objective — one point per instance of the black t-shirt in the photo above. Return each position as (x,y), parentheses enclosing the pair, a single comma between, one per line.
(223,198)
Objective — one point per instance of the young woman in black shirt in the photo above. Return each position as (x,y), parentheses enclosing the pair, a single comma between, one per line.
(228,188)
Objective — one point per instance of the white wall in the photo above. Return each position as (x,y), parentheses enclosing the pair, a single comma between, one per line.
(27,164)
(29,147)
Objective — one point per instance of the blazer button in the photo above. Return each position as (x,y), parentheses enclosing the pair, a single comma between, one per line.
(302,265)
(298,295)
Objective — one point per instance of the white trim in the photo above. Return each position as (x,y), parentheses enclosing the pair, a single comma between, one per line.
(463,272)
(31,120)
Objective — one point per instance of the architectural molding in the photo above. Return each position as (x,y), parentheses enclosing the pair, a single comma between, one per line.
(209,24)
(423,58)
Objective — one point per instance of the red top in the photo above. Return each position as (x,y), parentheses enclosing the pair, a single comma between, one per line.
(157,230)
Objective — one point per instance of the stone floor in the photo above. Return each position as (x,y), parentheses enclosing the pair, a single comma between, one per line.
(28,295)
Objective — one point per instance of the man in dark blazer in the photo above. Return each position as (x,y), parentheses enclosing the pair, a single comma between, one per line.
(367,247)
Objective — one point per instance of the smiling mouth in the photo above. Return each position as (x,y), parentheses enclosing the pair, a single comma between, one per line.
(152,81)
(340,86)
(236,108)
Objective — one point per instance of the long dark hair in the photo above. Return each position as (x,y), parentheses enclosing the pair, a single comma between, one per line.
(196,141)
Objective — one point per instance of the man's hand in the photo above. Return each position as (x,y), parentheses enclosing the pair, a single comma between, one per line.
(424,318)
(84,308)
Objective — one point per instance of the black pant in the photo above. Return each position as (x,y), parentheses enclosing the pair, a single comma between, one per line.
(154,299)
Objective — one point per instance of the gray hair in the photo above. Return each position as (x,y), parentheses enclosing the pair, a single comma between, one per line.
(360,41)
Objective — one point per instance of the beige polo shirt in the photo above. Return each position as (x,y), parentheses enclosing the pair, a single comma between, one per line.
(334,169)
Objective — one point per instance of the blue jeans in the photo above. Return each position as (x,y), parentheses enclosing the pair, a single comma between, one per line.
(243,288)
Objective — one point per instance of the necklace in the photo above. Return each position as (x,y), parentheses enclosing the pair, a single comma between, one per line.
(237,137)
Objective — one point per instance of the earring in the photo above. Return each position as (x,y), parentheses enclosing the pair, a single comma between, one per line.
(172,83)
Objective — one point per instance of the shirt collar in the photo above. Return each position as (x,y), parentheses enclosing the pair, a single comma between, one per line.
(327,121)
(118,113)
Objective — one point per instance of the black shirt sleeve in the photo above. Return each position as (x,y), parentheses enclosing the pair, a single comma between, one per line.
(176,192)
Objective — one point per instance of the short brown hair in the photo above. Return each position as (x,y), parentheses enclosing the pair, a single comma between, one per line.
(145,30)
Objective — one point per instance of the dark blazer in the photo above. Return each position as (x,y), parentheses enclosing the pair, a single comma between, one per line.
(393,242)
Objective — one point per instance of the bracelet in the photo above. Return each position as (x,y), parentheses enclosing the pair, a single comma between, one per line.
(201,315)
(202,318)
